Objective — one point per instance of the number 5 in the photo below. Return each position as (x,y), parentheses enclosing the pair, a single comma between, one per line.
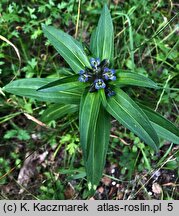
(170,207)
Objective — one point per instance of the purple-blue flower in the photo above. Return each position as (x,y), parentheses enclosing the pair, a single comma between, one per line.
(108,74)
(99,83)
(94,62)
(81,72)
(83,78)
(98,76)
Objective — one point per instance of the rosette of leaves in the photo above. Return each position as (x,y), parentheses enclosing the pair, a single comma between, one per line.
(95,91)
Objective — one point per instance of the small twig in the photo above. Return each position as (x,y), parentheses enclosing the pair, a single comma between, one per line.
(30,117)
(78,17)
(170,184)
(15,48)
(123,141)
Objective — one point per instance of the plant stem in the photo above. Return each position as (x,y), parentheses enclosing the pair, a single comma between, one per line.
(78,17)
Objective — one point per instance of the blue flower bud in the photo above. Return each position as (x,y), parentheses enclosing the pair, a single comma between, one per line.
(109,92)
(98,76)
(83,78)
(95,62)
(99,83)
(108,74)
(81,72)
(113,78)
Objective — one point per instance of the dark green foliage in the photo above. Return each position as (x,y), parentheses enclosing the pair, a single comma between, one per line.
(94,120)
(82,101)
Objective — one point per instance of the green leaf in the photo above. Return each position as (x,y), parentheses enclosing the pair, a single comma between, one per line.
(102,40)
(128,113)
(103,97)
(57,111)
(94,136)
(23,135)
(70,49)
(28,88)
(99,144)
(126,78)
(19,133)
(63,84)
(89,110)
(163,127)
(10,134)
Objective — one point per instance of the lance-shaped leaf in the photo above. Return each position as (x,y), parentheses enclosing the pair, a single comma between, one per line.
(89,111)
(67,47)
(163,127)
(102,40)
(58,111)
(128,113)
(63,84)
(98,149)
(94,136)
(127,78)
(28,88)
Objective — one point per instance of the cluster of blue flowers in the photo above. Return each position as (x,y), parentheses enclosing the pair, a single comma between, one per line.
(99,75)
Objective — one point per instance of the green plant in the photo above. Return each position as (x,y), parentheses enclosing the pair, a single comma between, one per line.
(96,92)
(5,168)
(51,188)
(19,133)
